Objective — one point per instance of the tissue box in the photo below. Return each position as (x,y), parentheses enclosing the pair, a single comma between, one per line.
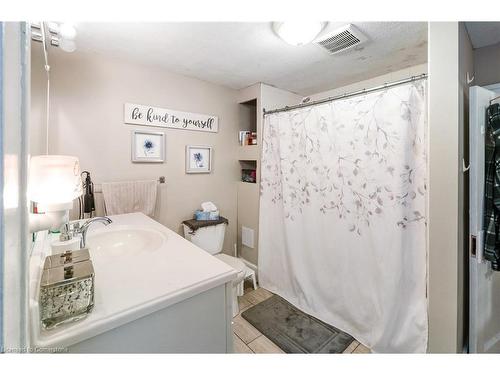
(206,215)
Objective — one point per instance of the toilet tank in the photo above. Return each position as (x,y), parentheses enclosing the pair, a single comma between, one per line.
(209,238)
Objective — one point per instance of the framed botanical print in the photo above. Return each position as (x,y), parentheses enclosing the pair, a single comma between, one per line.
(198,159)
(148,147)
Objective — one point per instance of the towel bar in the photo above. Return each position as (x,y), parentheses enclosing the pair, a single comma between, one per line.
(98,187)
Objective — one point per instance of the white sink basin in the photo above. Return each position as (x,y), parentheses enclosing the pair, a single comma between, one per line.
(124,240)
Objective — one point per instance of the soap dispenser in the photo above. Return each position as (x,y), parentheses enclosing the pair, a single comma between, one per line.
(66,240)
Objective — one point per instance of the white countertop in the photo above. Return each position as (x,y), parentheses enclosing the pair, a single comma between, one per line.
(131,286)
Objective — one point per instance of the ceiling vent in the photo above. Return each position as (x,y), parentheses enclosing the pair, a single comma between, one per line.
(341,39)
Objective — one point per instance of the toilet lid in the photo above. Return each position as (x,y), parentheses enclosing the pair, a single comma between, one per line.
(237,264)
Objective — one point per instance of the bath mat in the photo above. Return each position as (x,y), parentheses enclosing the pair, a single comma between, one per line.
(294,331)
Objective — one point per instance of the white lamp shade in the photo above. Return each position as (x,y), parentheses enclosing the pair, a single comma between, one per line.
(54,181)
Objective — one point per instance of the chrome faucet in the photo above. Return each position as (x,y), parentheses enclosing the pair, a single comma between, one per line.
(83,229)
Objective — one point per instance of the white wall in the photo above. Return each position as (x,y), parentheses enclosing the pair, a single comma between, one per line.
(373,82)
(466,70)
(13,134)
(444,169)
(88,92)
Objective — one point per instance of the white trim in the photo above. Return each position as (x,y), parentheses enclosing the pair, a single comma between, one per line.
(229,316)
(494,87)
(2,234)
(15,80)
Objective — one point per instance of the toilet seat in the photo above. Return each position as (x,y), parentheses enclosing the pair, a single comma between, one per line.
(237,264)
(240,267)
(210,239)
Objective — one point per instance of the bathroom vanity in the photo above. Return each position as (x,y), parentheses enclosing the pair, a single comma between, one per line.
(155,292)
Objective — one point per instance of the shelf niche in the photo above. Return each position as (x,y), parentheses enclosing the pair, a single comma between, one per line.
(248,171)
(248,120)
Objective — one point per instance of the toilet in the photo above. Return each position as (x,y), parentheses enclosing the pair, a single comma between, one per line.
(211,239)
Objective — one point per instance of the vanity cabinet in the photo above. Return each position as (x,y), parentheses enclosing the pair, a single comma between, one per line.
(155,292)
(200,324)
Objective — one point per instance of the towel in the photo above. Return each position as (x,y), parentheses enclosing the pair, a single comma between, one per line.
(131,196)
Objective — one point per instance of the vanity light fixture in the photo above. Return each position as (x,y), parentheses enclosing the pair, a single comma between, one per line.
(54,182)
(55,34)
(298,33)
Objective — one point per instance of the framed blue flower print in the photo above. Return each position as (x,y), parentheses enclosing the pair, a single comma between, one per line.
(198,159)
(148,147)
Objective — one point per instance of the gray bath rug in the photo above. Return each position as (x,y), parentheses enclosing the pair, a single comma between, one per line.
(294,331)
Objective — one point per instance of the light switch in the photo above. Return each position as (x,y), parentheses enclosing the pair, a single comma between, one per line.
(247,237)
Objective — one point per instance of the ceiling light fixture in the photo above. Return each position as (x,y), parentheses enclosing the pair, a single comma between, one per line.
(67,34)
(298,33)
(67,31)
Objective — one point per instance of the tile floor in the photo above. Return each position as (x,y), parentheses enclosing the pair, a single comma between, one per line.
(248,340)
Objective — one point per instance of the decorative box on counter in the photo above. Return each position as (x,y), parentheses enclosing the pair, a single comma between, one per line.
(66,288)
(59,260)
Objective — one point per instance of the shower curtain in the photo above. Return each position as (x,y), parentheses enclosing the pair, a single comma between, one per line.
(342,214)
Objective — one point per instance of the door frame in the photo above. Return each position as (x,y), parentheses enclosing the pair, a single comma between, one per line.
(14,236)
(1,188)
(477,266)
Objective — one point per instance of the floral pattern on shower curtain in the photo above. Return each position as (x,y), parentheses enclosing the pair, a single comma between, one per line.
(342,214)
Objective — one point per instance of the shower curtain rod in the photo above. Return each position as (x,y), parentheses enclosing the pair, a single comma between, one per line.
(347,95)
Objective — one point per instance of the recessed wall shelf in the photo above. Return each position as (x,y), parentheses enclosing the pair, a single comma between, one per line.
(248,115)
(248,171)
(247,135)
(252,100)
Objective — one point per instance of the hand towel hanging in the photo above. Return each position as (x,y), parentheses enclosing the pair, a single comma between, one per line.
(130,196)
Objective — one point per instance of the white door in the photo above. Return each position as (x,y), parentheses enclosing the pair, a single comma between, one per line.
(484,318)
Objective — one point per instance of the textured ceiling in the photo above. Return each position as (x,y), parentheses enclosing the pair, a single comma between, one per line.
(239,54)
(483,34)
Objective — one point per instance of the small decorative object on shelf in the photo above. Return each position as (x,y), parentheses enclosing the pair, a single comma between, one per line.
(249,175)
(66,288)
(148,147)
(198,159)
(253,138)
(247,138)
